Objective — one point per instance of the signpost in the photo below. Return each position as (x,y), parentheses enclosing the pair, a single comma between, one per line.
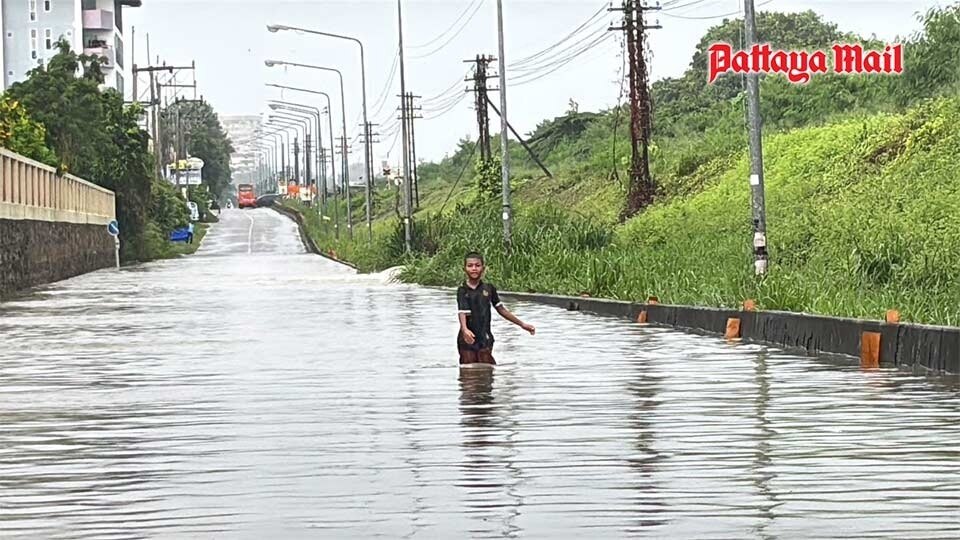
(114,229)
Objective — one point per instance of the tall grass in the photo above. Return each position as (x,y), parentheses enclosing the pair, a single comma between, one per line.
(863,216)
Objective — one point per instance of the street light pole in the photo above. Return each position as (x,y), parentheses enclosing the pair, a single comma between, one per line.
(333,162)
(756,150)
(307,129)
(368,144)
(343,111)
(407,225)
(505,160)
(313,112)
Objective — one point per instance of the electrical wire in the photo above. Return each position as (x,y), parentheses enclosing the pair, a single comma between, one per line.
(559,53)
(454,36)
(549,70)
(447,110)
(708,17)
(564,39)
(434,40)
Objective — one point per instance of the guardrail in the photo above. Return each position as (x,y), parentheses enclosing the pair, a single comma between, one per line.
(32,190)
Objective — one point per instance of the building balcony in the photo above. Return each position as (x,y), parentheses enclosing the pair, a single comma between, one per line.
(106,53)
(98,19)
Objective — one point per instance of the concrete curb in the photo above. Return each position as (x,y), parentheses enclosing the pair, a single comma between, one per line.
(928,348)
(304,236)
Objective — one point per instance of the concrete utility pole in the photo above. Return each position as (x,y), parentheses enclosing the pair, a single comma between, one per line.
(641,191)
(408,194)
(480,104)
(505,163)
(411,116)
(756,149)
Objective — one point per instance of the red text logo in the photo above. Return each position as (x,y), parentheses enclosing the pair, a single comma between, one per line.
(800,66)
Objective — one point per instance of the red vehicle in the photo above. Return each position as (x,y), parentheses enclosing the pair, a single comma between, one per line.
(246,197)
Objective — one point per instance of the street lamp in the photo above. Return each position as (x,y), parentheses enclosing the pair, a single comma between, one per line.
(289,105)
(368,148)
(283,132)
(333,162)
(306,111)
(343,114)
(295,127)
(307,130)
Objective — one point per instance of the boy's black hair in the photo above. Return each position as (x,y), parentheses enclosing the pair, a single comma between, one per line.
(473,255)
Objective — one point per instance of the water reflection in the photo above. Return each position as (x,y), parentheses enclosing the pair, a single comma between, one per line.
(762,469)
(489,473)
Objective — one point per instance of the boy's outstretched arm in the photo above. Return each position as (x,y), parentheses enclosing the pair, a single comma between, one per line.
(505,313)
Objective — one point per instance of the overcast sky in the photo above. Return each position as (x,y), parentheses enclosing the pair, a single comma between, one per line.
(229,42)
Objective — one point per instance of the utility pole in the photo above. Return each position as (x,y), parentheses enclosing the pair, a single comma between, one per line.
(306,161)
(344,175)
(756,149)
(480,104)
(414,180)
(641,190)
(408,214)
(505,160)
(368,141)
(296,161)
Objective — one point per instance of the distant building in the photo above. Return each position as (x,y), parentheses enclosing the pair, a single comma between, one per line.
(243,161)
(31,29)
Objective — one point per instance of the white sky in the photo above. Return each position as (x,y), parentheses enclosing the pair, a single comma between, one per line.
(229,42)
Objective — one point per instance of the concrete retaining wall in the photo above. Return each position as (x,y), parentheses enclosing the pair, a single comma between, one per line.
(36,252)
(930,348)
(52,226)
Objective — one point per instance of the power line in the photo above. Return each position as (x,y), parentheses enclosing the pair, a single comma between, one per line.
(551,69)
(708,17)
(454,36)
(558,53)
(434,40)
(564,39)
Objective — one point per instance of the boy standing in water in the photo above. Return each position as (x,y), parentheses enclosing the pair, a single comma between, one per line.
(474,299)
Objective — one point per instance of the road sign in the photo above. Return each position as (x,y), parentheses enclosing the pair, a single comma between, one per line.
(113,228)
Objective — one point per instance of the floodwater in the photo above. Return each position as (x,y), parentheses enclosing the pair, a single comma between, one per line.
(255,391)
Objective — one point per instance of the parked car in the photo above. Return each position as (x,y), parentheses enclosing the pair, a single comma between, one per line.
(194,211)
(183,234)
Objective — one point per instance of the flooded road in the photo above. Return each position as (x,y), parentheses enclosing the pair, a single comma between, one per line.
(256,391)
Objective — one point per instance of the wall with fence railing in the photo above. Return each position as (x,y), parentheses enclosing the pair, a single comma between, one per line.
(34,191)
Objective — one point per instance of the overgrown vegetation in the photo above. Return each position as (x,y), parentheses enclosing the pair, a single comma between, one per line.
(862,199)
(64,120)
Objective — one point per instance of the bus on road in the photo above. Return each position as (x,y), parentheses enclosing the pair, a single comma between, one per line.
(246,197)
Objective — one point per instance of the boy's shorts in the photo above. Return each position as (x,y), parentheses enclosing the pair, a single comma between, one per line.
(481,356)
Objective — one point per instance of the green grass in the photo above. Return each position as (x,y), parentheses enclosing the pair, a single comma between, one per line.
(863,216)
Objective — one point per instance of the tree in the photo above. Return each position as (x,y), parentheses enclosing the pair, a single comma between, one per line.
(93,134)
(23,135)
(204,138)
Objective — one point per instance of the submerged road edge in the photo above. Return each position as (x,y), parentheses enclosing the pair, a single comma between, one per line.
(305,237)
(928,348)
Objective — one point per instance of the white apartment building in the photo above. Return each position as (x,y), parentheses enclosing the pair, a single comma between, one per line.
(31,29)
(243,161)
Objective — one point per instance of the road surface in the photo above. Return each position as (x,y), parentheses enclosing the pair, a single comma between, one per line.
(256,391)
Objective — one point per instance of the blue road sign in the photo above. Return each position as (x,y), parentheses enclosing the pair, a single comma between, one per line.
(113,228)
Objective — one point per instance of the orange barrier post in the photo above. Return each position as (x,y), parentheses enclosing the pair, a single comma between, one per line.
(870,350)
(733,328)
(893,316)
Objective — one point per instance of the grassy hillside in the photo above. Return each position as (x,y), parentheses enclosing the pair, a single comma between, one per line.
(862,198)
(864,215)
